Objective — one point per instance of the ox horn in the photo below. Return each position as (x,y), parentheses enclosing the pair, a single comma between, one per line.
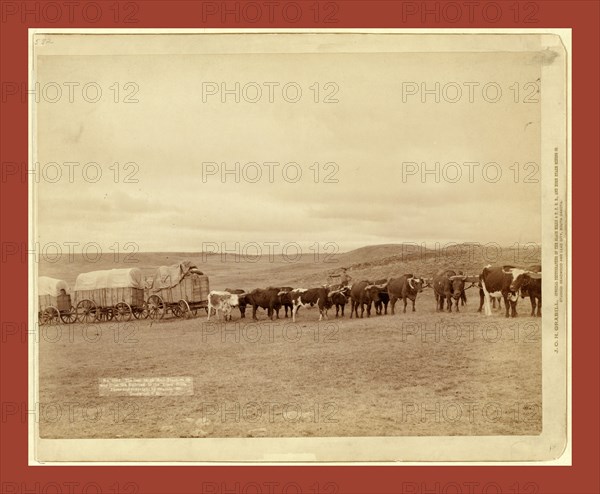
(533,275)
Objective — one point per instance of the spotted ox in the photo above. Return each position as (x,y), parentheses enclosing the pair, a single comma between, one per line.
(302,297)
(221,301)
(505,281)
(267,298)
(406,288)
(241,298)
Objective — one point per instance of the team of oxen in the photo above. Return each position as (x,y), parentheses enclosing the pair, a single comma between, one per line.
(449,288)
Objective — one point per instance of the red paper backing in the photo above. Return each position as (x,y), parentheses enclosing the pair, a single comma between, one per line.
(582,477)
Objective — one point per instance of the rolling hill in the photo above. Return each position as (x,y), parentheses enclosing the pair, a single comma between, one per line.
(370,262)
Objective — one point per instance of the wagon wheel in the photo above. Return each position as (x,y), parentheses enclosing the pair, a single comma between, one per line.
(86,311)
(184,309)
(176,310)
(141,312)
(51,315)
(156,307)
(104,314)
(70,316)
(107,313)
(122,312)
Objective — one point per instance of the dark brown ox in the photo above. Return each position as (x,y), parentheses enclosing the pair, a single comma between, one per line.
(505,281)
(361,294)
(448,286)
(242,299)
(285,299)
(339,299)
(406,288)
(532,287)
(267,298)
(382,304)
(302,297)
(379,295)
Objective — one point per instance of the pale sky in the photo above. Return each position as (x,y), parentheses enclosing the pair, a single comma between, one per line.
(368,133)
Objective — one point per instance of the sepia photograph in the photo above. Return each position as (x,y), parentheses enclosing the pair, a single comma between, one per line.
(299,246)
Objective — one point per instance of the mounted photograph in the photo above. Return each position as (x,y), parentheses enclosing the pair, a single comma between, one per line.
(294,245)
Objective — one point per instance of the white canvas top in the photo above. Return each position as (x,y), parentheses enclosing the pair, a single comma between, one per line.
(111,278)
(51,286)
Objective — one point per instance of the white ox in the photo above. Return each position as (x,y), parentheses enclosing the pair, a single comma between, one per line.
(222,301)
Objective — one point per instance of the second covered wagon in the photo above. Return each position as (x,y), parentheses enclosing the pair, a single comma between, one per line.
(110,294)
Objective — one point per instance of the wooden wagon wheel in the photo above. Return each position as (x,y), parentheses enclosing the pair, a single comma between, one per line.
(70,316)
(122,312)
(176,310)
(184,309)
(51,315)
(86,311)
(106,314)
(156,307)
(141,312)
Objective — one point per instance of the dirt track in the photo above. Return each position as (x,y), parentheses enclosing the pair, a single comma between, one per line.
(410,374)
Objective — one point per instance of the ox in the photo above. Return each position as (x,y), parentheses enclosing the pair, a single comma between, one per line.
(382,304)
(379,296)
(221,301)
(267,298)
(242,299)
(361,294)
(505,281)
(448,286)
(532,287)
(405,287)
(285,300)
(302,297)
(339,298)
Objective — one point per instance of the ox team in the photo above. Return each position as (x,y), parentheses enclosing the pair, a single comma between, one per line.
(449,289)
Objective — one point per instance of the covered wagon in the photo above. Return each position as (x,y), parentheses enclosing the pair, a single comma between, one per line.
(54,301)
(180,288)
(108,294)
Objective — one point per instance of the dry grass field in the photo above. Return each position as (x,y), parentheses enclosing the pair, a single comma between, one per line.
(421,373)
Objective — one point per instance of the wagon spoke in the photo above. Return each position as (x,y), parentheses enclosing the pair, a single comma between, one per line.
(70,316)
(86,311)
(141,312)
(52,315)
(156,307)
(122,312)
(184,309)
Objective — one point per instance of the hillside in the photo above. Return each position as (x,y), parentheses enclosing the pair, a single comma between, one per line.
(371,262)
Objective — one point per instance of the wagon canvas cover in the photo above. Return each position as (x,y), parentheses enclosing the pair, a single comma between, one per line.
(51,286)
(111,278)
(108,288)
(183,281)
(170,276)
